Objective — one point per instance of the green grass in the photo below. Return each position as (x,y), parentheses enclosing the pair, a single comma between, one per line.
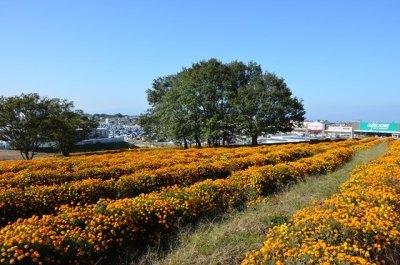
(227,239)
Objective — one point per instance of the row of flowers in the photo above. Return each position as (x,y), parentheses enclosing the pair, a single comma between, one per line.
(236,158)
(92,233)
(21,203)
(100,160)
(358,225)
(120,163)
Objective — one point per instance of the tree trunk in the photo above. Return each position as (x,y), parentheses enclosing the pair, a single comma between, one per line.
(22,154)
(28,156)
(185,144)
(216,142)
(65,152)
(254,140)
(225,141)
(198,143)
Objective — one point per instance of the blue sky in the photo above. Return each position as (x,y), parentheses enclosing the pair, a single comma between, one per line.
(341,57)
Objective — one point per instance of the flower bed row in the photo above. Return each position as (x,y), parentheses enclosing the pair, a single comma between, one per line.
(50,177)
(90,234)
(142,158)
(358,225)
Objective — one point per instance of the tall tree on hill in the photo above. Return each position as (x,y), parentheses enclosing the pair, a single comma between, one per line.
(266,105)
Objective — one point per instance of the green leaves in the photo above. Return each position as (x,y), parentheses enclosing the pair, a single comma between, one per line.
(21,122)
(68,126)
(265,105)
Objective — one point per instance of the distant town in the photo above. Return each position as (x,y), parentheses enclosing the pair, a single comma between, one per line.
(121,126)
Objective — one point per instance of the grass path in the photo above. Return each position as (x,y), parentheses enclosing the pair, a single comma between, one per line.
(226,241)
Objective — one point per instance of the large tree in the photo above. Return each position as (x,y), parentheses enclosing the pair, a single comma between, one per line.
(68,126)
(212,80)
(266,106)
(242,75)
(185,100)
(21,122)
(28,121)
(153,127)
(204,93)
(214,102)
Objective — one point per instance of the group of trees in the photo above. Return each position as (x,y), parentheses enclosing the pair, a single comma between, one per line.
(210,102)
(28,121)
(214,102)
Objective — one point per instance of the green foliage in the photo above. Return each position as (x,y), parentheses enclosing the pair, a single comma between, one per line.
(23,122)
(214,102)
(278,219)
(28,121)
(266,105)
(150,121)
(68,126)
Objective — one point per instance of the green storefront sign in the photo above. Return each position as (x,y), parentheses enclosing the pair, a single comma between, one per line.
(390,127)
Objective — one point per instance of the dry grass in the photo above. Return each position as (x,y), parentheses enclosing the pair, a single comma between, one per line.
(15,155)
(226,240)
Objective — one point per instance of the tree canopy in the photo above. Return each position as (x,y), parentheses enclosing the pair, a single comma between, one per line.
(68,126)
(214,102)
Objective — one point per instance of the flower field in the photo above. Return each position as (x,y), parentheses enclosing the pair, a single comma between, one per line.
(19,199)
(89,230)
(358,225)
(114,165)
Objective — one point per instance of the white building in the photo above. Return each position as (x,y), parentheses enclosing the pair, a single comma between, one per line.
(315,127)
(339,131)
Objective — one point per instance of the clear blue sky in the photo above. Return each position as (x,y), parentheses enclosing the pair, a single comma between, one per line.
(341,57)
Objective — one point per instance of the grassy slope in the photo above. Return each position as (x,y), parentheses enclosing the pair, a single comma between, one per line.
(226,241)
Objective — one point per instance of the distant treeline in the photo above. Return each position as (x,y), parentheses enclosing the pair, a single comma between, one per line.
(214,102)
